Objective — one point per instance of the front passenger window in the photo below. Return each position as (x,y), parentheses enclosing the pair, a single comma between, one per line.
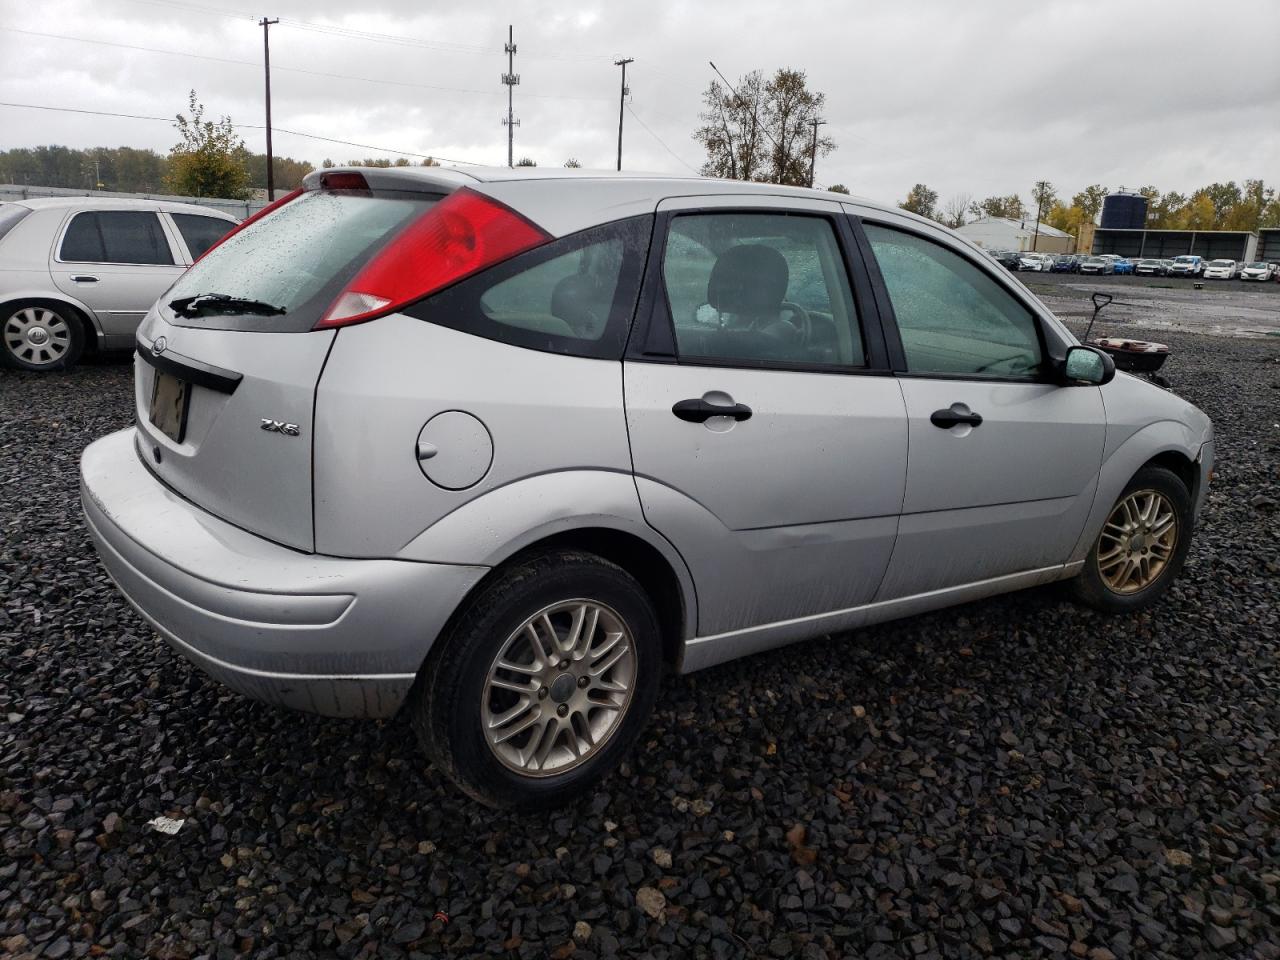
(953,317)
(761,288)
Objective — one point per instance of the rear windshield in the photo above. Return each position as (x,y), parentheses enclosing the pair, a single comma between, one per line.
(10,215)
(297,257)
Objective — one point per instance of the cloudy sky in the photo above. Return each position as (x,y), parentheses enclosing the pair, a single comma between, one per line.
(979,97)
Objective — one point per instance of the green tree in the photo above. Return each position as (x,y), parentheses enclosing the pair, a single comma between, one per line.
(1164,210)
(209,160)
(1090,200)
(573,164)
(838,188)
(288,171)
(526,162)
(921,200)
(762,129)
(1010,207)
(1043,195)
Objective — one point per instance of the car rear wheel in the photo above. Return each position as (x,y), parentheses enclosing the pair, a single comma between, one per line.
(37,336)
(1142,545)
(543,682)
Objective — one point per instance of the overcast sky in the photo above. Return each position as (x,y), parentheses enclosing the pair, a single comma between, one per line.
(976,97)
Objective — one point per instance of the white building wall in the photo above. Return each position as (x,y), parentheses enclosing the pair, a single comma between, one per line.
(994,233)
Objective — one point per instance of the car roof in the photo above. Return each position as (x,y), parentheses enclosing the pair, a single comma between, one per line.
(662,184)
(120,203)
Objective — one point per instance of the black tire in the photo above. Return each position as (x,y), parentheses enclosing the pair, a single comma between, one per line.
(23,355)
(1090,588)
(445,706)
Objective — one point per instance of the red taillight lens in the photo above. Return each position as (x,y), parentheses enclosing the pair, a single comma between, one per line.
(460,235)
(293,194)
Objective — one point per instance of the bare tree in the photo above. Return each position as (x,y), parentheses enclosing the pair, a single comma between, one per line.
(955,212)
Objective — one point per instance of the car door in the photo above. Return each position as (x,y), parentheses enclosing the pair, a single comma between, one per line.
(768,440)
(1003,460)
(116,262)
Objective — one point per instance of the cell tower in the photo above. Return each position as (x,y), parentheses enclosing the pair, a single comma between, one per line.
(510,79)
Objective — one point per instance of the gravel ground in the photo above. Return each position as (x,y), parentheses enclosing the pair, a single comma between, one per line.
(1017,777)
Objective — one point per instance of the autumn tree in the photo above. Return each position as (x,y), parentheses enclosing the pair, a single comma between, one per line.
(838,188)
(209,159)
(761,129)
(921,200)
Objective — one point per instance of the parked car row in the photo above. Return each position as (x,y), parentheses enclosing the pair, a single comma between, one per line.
(1187,265)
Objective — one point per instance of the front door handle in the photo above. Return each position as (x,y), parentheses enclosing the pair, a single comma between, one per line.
(954,416)
(700,411)
(83,278)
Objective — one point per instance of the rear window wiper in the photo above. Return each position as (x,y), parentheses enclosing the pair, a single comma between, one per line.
(223,303)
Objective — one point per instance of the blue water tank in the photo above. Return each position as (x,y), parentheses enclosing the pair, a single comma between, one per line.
(1124,211)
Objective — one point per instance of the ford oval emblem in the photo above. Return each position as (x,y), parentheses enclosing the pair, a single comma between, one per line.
(158,346)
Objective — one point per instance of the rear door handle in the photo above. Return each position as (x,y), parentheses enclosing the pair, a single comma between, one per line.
(83,278)
(954,416)
(699,411)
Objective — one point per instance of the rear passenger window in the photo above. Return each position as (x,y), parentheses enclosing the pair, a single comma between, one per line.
(116,236)
(953,317)
(200,233)
(760,288)
(575,295)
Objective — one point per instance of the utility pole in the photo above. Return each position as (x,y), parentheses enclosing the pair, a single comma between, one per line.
(622,100)
(510,79)
(813,148)
(1040,189)
(266,66)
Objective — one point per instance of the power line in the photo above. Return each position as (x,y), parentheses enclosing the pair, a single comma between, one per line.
(246,126)
(311,73)
(659,139)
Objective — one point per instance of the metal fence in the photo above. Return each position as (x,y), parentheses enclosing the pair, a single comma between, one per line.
(239,209)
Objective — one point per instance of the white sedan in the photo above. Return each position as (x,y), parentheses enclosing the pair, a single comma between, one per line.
(1258,270)
(1221,270)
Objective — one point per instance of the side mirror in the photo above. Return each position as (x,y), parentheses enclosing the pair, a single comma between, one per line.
(1088,366)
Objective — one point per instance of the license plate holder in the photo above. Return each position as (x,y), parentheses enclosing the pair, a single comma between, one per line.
(170,401)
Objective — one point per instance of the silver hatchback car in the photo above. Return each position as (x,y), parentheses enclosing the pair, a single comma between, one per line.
(501,449)
(80,273)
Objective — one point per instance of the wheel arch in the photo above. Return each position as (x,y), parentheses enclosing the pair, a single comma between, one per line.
(1166,443)
(82,314)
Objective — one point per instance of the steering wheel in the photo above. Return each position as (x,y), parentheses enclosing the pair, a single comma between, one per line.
(802,321)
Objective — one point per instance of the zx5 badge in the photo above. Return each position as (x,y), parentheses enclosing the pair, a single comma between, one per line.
(279,426)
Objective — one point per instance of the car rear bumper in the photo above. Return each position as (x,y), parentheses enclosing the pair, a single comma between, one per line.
(322,634)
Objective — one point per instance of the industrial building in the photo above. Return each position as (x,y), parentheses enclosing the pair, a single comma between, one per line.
(1269,244)
(1002,233)
(1165,244)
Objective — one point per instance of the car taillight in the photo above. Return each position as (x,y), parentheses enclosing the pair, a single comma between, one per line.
(459,236)
(293,194)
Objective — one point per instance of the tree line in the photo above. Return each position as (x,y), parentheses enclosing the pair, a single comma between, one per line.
(1219,206)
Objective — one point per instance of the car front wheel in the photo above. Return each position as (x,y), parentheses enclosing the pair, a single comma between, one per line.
(1142,546)
(543,682)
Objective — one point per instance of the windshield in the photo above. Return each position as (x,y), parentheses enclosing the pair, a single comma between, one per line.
(1257,266)
(296,259)
(1184,259)
(1223,263)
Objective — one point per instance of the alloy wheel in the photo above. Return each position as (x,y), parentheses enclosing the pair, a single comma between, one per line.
(37,336)
(559,688)
(1137,542)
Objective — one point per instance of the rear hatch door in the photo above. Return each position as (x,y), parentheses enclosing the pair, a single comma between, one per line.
(229,359)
